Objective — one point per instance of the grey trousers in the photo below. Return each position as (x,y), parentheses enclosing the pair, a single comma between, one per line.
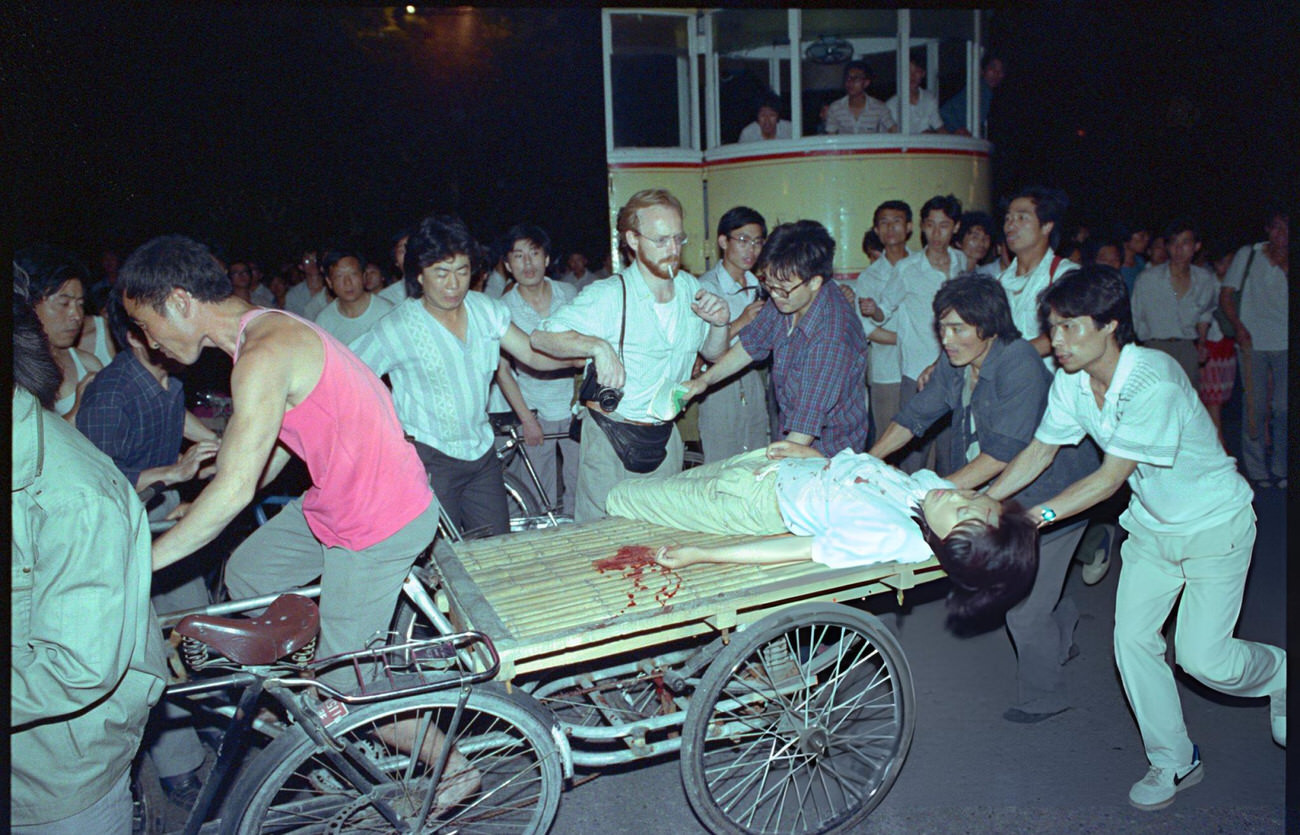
(1263,410)
(599,469)
(548,466)
(1042,625)
(733,417)
(359,589)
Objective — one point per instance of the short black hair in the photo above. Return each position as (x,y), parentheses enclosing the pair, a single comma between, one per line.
(739,216)
(980,301)
(1049,207)
(770,100)
(977,219)
(872,241)
(946,203)
(1179,225)
(802,249)
(437,238)
(173,261)
(47,269)
(1096,291)
(525,232)
(859,65)
(336,254)
(119,323)
(896,205)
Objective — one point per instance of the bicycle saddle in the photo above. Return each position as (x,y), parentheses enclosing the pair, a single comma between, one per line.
(287,625)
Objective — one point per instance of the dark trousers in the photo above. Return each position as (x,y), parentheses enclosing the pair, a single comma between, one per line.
(472,493)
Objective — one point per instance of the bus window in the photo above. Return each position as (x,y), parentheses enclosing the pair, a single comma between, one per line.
(650,81)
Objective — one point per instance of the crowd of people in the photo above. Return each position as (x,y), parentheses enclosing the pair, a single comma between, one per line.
(978,399)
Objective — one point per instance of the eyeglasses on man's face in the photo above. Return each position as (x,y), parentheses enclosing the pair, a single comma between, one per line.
(778,289)
(747,242)
(665,241)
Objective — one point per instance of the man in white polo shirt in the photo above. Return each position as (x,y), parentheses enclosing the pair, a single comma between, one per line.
(533,298)
(733,416)
(1032,228)
(642,329)
(1186,547)
(441,348)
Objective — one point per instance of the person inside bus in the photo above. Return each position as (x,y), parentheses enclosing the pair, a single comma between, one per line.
(857,112)
(922,108)
(850,510)
(767,123)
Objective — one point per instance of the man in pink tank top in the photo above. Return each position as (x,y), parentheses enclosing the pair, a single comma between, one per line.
(296,390)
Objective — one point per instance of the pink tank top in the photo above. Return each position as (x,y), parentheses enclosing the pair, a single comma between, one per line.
(367,480)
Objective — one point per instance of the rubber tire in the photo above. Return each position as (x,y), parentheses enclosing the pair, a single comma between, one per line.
(521,501)
(281,760)
(801,627)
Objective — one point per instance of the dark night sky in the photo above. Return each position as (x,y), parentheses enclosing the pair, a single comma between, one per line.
(258,128)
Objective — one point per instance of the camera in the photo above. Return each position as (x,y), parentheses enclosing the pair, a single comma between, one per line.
(606,397)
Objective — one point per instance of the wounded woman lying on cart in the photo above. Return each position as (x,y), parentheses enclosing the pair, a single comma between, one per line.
(852,509)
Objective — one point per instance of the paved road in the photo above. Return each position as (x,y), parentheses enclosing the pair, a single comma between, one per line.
(970,771)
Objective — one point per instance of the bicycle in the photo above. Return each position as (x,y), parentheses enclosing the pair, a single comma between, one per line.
(530,508)
(428,744)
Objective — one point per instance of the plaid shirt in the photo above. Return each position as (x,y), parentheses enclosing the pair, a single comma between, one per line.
(131,418)
(818,370)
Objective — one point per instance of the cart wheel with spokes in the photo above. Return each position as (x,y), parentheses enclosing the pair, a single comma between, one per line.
(800,726)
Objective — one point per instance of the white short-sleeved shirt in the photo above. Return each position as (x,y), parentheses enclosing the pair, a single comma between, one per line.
(908,300)
(395,292)
(858,509)
(660,342)
(874,117)
(718,280)
(882,360)
(753,133)
(924,114)
(302,301)
(1264,305)
(1023,290)
(1159,314)
(1184,482)
(495,286)
(549,392)
(346,328)
(440,383)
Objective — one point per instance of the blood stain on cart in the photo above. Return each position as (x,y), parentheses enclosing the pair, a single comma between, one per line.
(633,561)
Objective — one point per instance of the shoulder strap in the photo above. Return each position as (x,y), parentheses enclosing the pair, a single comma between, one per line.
(622,329)
(1051,270)
(1246,274)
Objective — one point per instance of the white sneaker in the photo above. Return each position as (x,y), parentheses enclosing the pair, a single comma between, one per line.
(1277,715)
(1094,570)
(1157,789)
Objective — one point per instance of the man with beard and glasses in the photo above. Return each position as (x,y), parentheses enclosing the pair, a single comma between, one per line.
(641,328)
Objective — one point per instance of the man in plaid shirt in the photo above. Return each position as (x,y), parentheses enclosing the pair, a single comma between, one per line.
(819,355)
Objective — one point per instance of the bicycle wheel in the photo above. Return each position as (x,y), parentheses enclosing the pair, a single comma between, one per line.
(504,773)
(801,725)
(521,502)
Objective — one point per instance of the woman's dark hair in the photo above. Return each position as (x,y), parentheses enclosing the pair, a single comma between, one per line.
(980,301)
(170,261)
(48,268)
(437,238)
(991,567)
(1095,290)
(981,220)
(34,367)
(802,249)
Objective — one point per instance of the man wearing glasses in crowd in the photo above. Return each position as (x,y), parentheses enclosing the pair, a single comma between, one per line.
(819,355)
(733,416)
(642,328)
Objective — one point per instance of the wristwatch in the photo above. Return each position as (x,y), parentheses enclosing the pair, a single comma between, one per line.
(1048,514)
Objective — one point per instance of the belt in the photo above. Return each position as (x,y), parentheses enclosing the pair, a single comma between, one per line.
(591,404)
